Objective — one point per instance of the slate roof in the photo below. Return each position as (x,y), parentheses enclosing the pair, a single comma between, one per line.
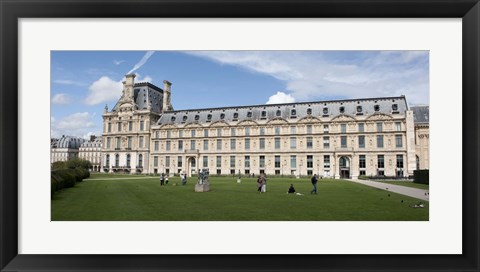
(287,111)
(145,93)
(421,114)
(95,143)
(69,142)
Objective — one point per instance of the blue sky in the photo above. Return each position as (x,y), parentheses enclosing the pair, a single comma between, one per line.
(83,82)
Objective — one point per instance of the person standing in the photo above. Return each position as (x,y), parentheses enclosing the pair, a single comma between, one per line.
(166,179)
(184,179)
(264,183)
(161,179)
(314,183)
(259,184)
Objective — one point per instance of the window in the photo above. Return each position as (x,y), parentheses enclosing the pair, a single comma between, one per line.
(107,161)
(140,160)
(343,141)
(380,161)
(249,114)
(142,125)
(309,111)
(398,126)
(379,127)
(262,161)
(119,126)
(205,133)
(197,117)
(398,141)
(342,109)
(205,144)
(293,161)
(277,142)
(361,127)
(361,141)
(209,117)
(247,131)
(128,160)
(232,161)
(192,144)
(185,118)
(264,114)
(117,160)
(108,142)
(343,128)
(219,132)
(155,161)
(293,130)
(325,129)
(179,161)
(219,161)
(222,116)
(262,143)
(247,161)
(173,119)
(309,142)
(309,161)
(235,115)
(117,142)
(168,145)
(219,144)
(262,131)
(247,143)
(361,161)
(233,132)
(180,145)
(180,134)
(278,113)
(167,161)
(399,161)
(193,133)
(379,141)
(233,144)
(205,162)
(326,142)
(325,111)
(109,127)
(293,142)
(359,109)
(277,161)
(309,129)
(376,108)
(129,142)
(156,145)
(394,107)
(277,130)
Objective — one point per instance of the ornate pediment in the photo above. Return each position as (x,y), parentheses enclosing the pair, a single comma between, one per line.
(308,119)
(379,116)
(277,121)
(168,126)
(343,118)
(219,124)
(247,123)
(192,125)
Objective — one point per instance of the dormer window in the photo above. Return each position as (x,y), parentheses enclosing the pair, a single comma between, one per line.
(235,115)
(395,107)
(293,113)
(185,118)
(209,117)
(325,110)
(222,116)
(342,109)
(197,117)
(264,114)
(376,108)
(278,113)
(249,114)
(359,109)
(309,111)
(173,118)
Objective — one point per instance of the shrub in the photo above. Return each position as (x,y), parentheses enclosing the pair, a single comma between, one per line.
(421,176)
(66,178)
(363,177)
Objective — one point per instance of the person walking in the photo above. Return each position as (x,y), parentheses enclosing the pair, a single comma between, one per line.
(259,184)
(264,183)
(184,179)
(314,183)
(161,179)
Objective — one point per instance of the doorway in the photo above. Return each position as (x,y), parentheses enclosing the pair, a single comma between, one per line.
(344,170)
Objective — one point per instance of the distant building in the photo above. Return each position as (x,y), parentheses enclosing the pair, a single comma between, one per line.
(339,138)
(92,151)
(65,148)
(422,141)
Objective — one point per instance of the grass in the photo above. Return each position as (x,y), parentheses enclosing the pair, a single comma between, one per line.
(405,183)
(106,197)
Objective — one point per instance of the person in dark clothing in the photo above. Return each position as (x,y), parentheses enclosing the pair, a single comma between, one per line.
(161,179)
(314,183)
(291,190)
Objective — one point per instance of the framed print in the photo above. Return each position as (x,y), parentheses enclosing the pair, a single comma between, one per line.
(337,114)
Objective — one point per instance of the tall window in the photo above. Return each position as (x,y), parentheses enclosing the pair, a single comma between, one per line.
(361,127)
(277,142)
(362,161)
(117,160)
(232,161)
(379,127)
(180,145)
(399,161)
(219,144)
(309,129)
(233,144)
(326,161)
(262,161)
(108,142)
(205,162)
(247,161)
(247,143)
(262,131)
(168,145)
(277,161)
(309,142)
(180,134)
(326,142)
(119,126)
(129,142)
(293,142)
(205,144)
(343,128)
(309,161)
(343,141)
(130,125)
(128,160)
(325,129)
(156,145)
(247,131)
(381,161)
(398,126)
(117,142)
(140,141)
(219,132)
(219,161)
(107,161)
(361,141)
(193,133)
(233,132)
(155,161)
(398,141)
(109,127)
(262,143)
(193,144)
(179,161)
(167,161)
(205,133)
(140,160)
(293,161)
(293,130)
(380,141)
(142,125)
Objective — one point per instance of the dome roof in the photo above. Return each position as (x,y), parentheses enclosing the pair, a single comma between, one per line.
(70,142)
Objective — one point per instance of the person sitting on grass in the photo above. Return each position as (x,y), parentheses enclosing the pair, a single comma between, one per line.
(291,190)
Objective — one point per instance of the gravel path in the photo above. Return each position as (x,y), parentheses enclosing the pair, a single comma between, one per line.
(404,190)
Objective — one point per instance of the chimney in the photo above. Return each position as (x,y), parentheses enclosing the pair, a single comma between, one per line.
(167,106)
(92,138)
(128,85)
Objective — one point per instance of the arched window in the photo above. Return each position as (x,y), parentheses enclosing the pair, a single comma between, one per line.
(395,107)
(222,116)
(325,110)
(359,109)
(173,118)
(140,160)
(197,117)
(209,117)
(235,115)
(294,112)
(185,118)
(249,114)
(342,109)
(376,107)
(309,111)
(264,114)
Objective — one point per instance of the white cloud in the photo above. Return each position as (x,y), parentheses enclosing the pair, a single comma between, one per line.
(68,82)
(61,99)
(316,75)
(77,124)
(280,98)
(102,90)
(118,62)
(141,62)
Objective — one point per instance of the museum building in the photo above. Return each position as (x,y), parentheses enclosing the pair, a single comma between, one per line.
(338,138)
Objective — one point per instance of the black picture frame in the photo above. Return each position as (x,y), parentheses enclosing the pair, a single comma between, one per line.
(11,11)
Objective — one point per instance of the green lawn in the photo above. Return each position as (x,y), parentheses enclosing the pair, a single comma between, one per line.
(406,183)
(141,198)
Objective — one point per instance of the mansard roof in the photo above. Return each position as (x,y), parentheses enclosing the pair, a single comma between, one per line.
(144,94)
(95,143)
(288,111)
(421,114)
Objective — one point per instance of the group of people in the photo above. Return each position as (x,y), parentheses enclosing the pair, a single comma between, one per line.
(163,179)
(314,180)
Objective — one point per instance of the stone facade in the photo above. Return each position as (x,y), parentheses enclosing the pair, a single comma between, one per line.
(65,148)
(422,136)
(91,151)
